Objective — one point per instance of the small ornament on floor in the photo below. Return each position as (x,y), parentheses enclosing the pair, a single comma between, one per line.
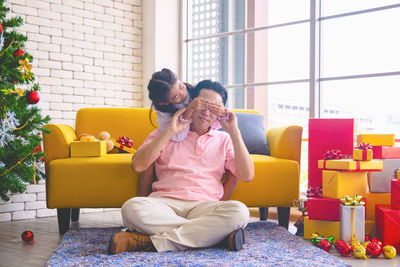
(28,237)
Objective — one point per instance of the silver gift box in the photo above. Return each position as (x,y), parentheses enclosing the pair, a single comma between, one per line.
(346,223)
(379,182)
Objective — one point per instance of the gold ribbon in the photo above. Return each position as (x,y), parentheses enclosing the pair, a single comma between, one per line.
(352,200)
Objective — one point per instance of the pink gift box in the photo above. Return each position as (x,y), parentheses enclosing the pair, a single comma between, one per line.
(395,194)
(327,209)
(324,135)
(386,152)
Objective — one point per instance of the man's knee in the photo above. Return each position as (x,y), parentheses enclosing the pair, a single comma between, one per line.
(238,211)
(136,207)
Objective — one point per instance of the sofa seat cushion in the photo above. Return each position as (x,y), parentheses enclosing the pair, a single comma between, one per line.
(91,182)
(273,185)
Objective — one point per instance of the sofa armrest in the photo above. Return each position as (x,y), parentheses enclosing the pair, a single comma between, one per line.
(285,142)
(56,143)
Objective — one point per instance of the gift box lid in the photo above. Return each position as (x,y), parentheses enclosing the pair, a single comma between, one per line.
(350,165)
(376,139)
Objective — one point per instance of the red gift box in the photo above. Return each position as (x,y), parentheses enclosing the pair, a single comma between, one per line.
(386,152)
(388,225)
(324,135)
(395,194)
(327,209)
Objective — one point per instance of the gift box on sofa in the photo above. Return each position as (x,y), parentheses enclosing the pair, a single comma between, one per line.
(372,199)
(324,135)
(336,184)
(376,139)
(386,152)
(395,194)
(379,182)
(323,228)
(350,165)
(388,225)
(324,209)
(352,223)
(88,149)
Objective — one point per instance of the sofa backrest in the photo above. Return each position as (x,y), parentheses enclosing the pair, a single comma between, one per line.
(131,122)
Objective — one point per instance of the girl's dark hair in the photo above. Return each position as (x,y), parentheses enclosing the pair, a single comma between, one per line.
(159,87)
(215,86)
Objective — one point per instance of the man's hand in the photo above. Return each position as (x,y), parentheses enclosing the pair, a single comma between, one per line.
(230,125)
(175,126)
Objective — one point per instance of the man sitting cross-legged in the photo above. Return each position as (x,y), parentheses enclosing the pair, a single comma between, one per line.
(184,210)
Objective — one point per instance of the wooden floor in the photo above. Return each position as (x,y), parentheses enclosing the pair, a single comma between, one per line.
(15,252)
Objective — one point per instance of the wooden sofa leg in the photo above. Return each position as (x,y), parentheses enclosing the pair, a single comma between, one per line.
(263,213)
(283,216)
(64,218)
(75,214)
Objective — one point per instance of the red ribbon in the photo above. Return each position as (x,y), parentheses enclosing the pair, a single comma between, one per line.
(364,154)
(333,154)
(124,141)
(314,191)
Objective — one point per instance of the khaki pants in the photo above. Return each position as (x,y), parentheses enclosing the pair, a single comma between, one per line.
(179,224)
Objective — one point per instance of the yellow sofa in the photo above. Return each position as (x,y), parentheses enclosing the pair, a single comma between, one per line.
(108,181)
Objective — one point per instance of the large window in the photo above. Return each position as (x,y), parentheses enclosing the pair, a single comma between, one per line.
(296,59)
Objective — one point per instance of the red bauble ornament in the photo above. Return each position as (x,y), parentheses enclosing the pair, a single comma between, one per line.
(373,249)
(38,149)
(376,240)
(19,52)
(368,238)
(343,248)
(32,97)
(325,245)
(27,236)
(1,28)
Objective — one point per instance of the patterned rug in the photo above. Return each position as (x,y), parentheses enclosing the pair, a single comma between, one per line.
(267,244)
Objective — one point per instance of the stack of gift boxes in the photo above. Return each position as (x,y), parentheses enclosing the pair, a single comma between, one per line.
(333,214)
(368,174)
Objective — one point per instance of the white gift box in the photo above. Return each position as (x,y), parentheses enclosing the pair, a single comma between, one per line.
(352,218)
(379,182)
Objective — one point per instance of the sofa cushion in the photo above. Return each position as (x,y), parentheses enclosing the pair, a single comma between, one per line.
(251,126)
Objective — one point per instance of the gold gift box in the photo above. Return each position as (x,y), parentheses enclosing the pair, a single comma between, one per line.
(336,184)
(376,139)
(350,165)
(373,199)
(124,148)
(358,154)
(88,149)
(323,228)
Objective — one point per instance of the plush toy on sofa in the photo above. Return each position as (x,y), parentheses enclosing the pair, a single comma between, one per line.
(106,136)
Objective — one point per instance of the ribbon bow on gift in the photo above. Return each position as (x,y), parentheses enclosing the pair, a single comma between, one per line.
(333,154)
(314,191)
(395,173)
(352,200)
(364,146)
(125,141)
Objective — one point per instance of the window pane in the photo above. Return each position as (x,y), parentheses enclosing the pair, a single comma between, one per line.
(374,102)
(219,59)
(283,105)
(235,98)
(278,54)
(334,7)
(366,43)
(207,17)
(263,13)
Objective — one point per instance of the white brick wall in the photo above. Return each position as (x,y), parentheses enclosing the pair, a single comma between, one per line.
(86,54)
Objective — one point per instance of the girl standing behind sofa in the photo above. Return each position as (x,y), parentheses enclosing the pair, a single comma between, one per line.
(168,94)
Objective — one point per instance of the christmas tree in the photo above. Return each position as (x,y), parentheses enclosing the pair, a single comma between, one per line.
(20,119)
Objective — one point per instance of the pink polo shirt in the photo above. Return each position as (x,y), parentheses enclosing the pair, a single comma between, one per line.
(192,169)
